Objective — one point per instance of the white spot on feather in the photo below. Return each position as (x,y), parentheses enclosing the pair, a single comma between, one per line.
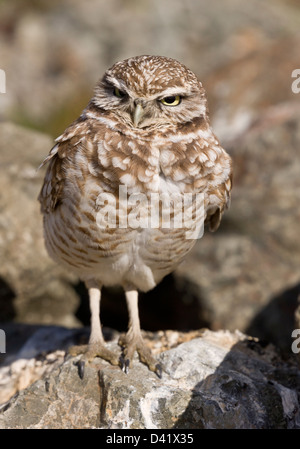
(127,180)
(117,162)
(203,157)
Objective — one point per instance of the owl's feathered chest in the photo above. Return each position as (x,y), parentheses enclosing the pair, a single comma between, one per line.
(184,161)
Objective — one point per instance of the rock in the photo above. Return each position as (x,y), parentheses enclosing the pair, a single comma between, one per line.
(233,382)
(28,361)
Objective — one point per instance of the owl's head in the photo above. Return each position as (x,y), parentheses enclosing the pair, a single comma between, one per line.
(150,92)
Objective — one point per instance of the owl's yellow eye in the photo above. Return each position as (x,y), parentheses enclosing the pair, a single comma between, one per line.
(173,100)
(118,93)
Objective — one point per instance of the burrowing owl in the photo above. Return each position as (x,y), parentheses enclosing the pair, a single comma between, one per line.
(144,136)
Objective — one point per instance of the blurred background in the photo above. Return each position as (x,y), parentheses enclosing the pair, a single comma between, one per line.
(245,276)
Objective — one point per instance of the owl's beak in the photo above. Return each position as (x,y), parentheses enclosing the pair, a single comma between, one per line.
(138,114)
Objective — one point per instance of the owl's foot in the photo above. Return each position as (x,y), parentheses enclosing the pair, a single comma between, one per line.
(130,344)
(90,352)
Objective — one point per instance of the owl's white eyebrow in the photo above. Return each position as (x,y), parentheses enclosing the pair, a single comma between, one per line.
(171,93)
(112,84)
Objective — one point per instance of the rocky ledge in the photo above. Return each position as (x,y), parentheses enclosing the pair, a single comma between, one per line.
(211,380)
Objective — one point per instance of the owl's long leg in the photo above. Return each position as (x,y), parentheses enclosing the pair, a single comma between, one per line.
(133,340)
(96,346)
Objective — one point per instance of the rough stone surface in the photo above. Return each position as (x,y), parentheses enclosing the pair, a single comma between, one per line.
(215,380)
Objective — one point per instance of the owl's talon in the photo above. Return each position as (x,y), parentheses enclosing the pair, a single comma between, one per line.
(90,352)
(158,370)
(122,363)
(81,366)
(125,364)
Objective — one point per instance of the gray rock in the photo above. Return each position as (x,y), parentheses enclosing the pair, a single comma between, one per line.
(217,380)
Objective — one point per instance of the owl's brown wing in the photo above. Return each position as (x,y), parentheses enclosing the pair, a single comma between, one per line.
(209,168)
(214,216)
(53,183)
(52,190)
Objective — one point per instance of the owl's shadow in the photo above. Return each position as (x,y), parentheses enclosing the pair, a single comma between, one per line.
(175,303)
